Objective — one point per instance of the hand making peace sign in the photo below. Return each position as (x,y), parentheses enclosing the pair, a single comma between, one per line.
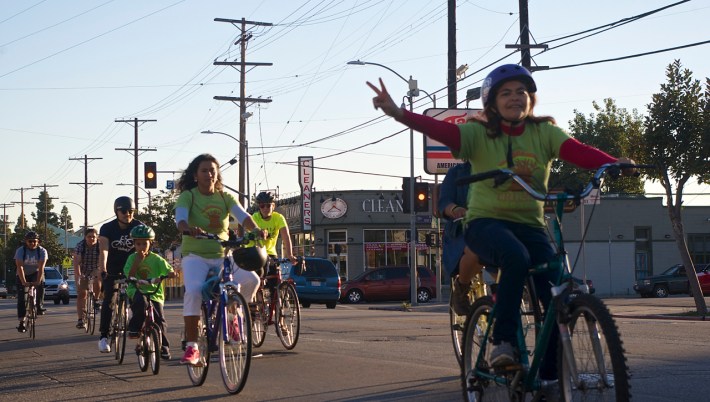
(384,101)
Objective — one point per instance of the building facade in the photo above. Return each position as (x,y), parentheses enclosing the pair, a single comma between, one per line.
(628,238)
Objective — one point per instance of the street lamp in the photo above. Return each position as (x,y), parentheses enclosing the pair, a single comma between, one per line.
(413,91)
(245,144)
(66,246)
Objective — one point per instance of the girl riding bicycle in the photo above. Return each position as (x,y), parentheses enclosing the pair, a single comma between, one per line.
(505,226)
(144,264)
(202,208)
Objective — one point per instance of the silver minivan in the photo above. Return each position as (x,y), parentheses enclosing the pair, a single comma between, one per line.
(55,285)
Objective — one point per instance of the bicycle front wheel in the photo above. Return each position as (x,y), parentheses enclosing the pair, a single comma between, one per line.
(198,373)
(592,365)
(288,315)
(120,330)
(260,320)
(91,315)
(31,316)
(86,314)
(235,343)
(152,345)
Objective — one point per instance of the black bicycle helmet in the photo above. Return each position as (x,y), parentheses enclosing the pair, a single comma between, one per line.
(265,196)
(504,73)
(142,232)
(250,258)
(31,235)
(123,202)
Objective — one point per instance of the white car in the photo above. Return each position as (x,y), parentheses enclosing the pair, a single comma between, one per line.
(56,287)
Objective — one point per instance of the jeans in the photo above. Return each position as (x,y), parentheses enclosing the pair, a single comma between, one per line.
(39,299)
(138,318)
(514,248)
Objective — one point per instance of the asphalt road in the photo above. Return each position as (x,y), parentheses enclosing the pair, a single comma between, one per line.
(370,352)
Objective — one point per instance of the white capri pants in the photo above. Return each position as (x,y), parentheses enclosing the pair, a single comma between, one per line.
(195,270)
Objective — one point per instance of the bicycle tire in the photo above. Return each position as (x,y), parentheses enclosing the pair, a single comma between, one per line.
(597,325)
(31,313)
(198,373)
(121,331)
(476,388)
(142,351)
(235,343)
(531,316)
(86,313)
(260,320)
(288,315)
(154,344)
(93,312)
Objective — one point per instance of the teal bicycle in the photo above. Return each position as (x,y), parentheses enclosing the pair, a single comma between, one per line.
(590,354)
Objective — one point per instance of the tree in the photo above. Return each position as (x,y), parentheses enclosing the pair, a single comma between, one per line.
(675,140)
(65,219)
(44,215)
(160,215)
(613,130)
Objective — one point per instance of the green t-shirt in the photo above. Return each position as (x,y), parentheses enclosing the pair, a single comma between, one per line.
(273,226)
(211,214)
(152,267)
(533,152)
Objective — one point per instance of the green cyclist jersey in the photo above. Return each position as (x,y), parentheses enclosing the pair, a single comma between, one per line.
(153,266)
(532,152)
(211,214)
(273,225)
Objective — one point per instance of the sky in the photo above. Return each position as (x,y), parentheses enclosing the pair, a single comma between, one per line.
(70,69)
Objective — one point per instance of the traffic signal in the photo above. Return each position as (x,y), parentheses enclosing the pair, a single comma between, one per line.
(405,195)
(421,197)
(150,175)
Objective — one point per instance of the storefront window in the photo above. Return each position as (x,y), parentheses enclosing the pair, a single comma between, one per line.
(303,244)
(389,247)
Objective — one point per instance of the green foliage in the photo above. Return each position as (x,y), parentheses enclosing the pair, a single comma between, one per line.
(160,215)
(44,214)
(611,129)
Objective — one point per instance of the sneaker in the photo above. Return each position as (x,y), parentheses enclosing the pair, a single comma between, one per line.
(233,329)
(501,355)
(550,391)
(80,324)
(460,301)
(41,310)
(165,353)
(133,335)
(191,356)
(21,328)
(104,347)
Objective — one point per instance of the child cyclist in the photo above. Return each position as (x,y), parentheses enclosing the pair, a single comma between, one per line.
(145,264)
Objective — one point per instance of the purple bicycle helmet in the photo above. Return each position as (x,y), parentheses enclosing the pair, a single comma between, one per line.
(504,73)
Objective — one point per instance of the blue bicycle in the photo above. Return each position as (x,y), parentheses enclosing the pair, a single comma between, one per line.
(225,321)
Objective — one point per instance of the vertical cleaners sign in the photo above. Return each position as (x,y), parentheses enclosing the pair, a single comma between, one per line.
(305,179)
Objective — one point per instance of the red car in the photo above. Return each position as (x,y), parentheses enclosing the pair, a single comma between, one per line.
(388,284)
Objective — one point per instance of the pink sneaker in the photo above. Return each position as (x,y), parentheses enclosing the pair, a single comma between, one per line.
(233,328)
(191,356)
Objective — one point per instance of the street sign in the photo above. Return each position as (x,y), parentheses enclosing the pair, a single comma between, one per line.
(170,184)
(437,156)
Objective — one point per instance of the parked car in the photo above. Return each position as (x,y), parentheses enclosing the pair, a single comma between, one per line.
(55,285)
(319,283)
(3,290)
(72,288)
(673,281)
(388,283)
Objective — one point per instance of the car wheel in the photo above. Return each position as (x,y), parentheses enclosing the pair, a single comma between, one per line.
(354,296)
(423,295)
(306,304)
(65,300)
(331,305)
(660,291)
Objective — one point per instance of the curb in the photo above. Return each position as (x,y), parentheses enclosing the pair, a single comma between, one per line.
(661,317)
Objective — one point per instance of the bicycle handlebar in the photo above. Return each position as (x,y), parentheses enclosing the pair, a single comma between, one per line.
(502,175)
(232,242)
(149,281)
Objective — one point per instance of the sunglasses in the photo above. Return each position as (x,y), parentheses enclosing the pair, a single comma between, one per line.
(262,205)
(126,210)
(32,241)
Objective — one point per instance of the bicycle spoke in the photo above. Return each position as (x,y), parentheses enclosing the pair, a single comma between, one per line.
(235,344)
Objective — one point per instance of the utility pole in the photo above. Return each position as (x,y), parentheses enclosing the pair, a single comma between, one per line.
(4,244)
(86,184)
(46,201)
(525,46)
(22,203)
(451,77)
(241,66)
(135,150)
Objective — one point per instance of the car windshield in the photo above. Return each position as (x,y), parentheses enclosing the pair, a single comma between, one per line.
(52,274)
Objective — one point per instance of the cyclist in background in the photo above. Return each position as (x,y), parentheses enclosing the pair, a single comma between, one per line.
(505,226)
(276,225)
(144,264)
(115,245)
(86,263)
(30,260)
(202,207)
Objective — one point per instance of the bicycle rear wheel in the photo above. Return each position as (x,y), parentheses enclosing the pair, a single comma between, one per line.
(458,322)
(198,373)
(288,315)
(86,313)
(260,320)
(599,370)
(235,343)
